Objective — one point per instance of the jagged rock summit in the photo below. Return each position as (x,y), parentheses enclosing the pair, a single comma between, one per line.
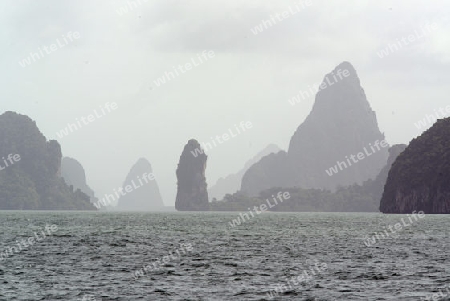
(140,189)
(232,183)
(73,173)
(192,194)
(33,182)
(340,124)
(419,178)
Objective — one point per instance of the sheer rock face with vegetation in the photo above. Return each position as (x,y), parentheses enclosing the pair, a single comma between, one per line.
(340,124)
(192,194)
(73,173)
(35,181)
(419,178)
(144,194)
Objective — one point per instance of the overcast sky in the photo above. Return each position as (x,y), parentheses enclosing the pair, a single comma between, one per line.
(118,56)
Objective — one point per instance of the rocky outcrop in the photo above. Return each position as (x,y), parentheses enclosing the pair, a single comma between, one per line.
(73,174)
(418,179)
(31,179)
(140,189)
(273,170)
(340,124)
(192,194)
(354,198)
(232,183)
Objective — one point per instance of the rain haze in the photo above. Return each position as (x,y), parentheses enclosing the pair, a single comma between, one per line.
(224,150)
(122,49)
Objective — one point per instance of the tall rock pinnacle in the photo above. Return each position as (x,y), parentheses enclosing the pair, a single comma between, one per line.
(341,124)
(192,194)
(143,189)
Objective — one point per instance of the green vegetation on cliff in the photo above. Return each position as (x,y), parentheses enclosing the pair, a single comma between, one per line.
(419,178)
(354,198)
(349,199)
(33,182)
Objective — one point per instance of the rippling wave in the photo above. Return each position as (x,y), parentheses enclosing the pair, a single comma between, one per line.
(94,256)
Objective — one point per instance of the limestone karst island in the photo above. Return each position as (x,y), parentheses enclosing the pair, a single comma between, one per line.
(338,160)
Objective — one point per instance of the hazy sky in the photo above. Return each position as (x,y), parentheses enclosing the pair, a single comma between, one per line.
(117,58)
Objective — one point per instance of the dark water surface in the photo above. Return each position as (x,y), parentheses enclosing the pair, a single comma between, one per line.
(94,256)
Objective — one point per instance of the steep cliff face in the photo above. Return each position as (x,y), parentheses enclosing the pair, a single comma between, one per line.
(340,124)
(141,189)
(232,183)
(33,181)
(73,173)
(418,179)
(192,194)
